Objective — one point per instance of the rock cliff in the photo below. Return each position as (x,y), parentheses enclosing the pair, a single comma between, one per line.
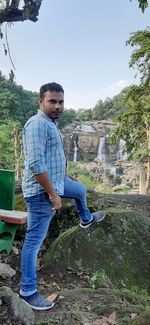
(85,142)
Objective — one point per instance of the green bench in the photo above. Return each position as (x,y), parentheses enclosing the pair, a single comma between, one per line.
(9,218)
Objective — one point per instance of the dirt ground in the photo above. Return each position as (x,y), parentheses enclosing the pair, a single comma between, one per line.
(77,302)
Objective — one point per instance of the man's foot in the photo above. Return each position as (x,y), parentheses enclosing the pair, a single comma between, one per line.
(98,216)
(37,301)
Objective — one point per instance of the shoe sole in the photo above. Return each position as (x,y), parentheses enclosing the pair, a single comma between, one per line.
(87,226)
(38,308)
(101,219)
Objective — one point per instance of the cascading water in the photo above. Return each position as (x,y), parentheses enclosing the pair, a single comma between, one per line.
(75,149)
(85,128)
(102,149)
(120,154)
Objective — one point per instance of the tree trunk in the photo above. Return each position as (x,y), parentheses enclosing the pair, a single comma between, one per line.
(148,165)
(142,185)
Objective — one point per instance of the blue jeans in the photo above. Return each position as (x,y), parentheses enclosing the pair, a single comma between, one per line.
(39,217)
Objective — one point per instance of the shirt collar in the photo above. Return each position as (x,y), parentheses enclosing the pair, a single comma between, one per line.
(40,112)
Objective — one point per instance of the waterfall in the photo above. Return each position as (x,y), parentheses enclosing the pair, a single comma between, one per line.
(102,149)
(120,154)
(75,149)
(85,128)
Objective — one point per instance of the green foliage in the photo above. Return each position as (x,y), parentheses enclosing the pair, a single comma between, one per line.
(143,4)
(81,174)
(16,103)
(132,124)
(10,144)
(94,278)
(137,296)
(6,141)
(140,57)
(68,117)
(20,203)
(115,179)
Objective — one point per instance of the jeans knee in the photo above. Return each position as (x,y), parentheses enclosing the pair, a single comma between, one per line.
(34,240)
(81,191)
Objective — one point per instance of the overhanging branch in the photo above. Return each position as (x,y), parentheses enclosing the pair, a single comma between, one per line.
(30,11)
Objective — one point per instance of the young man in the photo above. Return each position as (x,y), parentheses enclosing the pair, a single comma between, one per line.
(45,183)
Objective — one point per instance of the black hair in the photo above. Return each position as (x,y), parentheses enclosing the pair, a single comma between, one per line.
(52,86)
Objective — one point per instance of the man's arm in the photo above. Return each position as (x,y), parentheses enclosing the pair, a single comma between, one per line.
(43,180)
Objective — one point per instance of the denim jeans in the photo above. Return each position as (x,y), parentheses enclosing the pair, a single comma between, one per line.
(39,217)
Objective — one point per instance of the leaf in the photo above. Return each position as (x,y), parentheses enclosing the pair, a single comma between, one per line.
(52,297)
(102,321)
(112,318)
(133,315)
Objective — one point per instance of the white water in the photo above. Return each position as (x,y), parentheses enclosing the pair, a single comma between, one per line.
(75,149)
(102,149)
(120,154)
(85,128)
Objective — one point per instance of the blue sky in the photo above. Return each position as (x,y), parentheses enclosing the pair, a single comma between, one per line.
(80,44)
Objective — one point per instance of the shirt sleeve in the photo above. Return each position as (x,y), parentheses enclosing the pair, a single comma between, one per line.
(35,137)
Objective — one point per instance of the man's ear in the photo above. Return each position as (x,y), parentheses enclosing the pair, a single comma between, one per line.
(40,102)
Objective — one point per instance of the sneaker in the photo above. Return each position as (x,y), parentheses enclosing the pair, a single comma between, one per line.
(98,216)
(37,301)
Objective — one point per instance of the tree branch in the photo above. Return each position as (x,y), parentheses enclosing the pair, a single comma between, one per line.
(30,11)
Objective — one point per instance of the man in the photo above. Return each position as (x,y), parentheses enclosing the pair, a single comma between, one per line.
(45,183)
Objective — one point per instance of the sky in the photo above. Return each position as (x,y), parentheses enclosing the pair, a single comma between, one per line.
(80,44)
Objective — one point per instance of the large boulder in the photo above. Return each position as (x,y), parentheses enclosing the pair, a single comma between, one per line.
(119,245)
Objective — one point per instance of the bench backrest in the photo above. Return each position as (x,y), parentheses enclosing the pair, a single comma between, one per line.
(7,189)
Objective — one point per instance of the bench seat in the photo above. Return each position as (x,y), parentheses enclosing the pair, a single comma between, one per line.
(15,217)
(9,221)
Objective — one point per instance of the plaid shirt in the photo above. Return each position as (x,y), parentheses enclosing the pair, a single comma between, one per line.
(43,152)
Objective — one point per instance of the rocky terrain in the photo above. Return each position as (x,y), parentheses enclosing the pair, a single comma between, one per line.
(100,276)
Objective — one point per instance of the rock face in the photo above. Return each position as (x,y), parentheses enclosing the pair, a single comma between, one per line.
(89,141)
(19,308)
(119,245)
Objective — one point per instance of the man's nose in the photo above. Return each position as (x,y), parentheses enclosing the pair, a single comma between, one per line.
(58,106)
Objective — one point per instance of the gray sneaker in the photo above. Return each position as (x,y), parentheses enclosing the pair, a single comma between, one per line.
(98,216)
(37,301)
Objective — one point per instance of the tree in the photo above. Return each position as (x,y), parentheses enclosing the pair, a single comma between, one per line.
(98,111)
(134,123)
(10,10)
(68,116)
(143,4)
(140,58)
(16,104)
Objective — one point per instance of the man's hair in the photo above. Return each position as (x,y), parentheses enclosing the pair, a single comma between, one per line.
(52,86)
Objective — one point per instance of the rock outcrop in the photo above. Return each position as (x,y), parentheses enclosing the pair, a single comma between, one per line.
(90,140)
(119,245)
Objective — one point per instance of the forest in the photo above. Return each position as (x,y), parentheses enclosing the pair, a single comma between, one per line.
(130,110)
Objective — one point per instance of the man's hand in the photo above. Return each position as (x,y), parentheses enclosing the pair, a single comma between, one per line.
(72,177)
(56,201)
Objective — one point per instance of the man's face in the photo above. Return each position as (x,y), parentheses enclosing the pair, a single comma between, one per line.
(52,104)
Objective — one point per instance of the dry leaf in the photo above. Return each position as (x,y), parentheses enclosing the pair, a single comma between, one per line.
(102,321)
(52,297)
(133,315)
(112,318)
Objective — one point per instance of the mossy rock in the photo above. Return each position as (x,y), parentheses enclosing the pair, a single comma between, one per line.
(142,319)
(119,245)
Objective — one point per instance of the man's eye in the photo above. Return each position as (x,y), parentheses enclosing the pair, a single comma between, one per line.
(52,101)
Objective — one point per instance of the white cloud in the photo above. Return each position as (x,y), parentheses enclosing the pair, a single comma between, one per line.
(113,89)
(89,99)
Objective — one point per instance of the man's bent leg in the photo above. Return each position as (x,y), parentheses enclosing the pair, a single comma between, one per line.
(77,191)
(39,217)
